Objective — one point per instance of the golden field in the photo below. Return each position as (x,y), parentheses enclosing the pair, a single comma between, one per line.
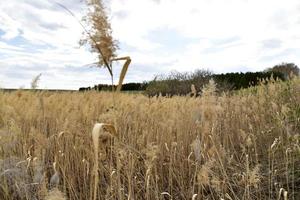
(231,146)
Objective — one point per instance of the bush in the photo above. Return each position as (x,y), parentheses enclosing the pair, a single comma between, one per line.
(177,83)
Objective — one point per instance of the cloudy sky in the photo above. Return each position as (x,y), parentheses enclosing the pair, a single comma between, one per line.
(37,36)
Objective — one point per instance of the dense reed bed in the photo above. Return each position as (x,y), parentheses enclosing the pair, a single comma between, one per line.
(238,146)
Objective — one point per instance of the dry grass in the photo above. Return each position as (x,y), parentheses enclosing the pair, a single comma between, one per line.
(55,195)
(243,146)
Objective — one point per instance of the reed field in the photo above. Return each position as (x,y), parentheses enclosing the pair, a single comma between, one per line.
(243,145)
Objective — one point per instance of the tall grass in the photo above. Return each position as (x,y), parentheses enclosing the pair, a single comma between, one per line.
(240,146)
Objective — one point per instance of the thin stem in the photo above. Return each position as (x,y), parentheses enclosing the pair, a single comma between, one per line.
(91,37)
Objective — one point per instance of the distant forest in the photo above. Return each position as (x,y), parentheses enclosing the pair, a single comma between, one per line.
(178,83)
(125,87)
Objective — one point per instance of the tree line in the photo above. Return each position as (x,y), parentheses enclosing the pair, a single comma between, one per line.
(125,87)
(179,83)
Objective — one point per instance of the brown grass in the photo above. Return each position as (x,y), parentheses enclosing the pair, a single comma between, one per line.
(242,146)
(55,195)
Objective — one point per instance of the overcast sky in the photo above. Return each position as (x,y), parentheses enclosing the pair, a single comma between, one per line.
(37,36)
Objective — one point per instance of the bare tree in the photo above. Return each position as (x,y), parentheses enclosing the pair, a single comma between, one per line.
(287,69)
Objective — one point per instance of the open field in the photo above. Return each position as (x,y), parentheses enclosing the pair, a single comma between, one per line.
(36,90)
(242,146)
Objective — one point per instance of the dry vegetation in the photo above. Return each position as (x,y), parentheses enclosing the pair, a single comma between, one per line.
(242,146)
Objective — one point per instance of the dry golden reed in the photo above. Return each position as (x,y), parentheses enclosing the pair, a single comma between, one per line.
(236,146)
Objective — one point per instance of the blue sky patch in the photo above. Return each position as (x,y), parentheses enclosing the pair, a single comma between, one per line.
(1,33)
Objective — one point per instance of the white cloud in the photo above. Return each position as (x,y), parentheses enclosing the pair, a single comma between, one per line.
(232,35)
(252,21)
(40,37)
